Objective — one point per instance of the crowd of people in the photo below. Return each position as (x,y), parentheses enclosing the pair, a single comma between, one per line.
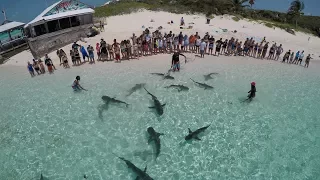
(152,43)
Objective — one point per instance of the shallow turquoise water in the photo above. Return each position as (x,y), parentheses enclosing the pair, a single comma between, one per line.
(45,127)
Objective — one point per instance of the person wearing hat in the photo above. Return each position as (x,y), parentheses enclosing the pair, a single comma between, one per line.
(252,91)
(76,86)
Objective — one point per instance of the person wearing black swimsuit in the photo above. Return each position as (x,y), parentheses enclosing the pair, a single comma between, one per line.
(175,64)
(252,91)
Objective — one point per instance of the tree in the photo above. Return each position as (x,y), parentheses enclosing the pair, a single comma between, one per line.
(239,4)
(295,10)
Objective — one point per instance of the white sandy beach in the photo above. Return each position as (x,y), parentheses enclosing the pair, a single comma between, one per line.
(48,128)
(122,27)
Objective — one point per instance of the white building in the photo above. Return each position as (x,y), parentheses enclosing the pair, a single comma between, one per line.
(60,24)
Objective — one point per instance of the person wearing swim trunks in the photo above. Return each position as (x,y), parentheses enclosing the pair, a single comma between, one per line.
(307,61)
(252,91)
(91,54)
(286,57)
(291,57)
(211,44)
(30,69)
(49,64)
(265,49)
(42,69)
(175,64)
(224,46)
(76,85)
(180,38)
(202,48)
(255,50)
(278,52)
(218,47)
(75,45)
(103,50)
(98,50)
(301,56)
(271,52)
(36,66)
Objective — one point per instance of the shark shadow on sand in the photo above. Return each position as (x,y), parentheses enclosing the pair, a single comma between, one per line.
(135,88)
(209,76)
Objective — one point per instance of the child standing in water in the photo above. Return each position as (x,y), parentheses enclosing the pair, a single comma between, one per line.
(252,91)
(76,86)
(307,61)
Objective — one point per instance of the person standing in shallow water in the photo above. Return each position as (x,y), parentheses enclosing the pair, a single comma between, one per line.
(175,64)
(307,61)
(252,91)
(76,85)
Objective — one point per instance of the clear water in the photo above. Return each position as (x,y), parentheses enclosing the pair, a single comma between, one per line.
(46,127)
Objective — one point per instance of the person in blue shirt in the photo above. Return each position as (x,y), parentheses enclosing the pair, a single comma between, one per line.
(84,53)
(31,70)
(301,56)
(296,58)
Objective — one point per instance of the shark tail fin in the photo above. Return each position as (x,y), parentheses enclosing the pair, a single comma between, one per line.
(118,156)
(197,138)
(146,90)
(145,169)
(41,177)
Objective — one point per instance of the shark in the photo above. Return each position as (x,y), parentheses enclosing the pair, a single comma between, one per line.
(108,99)
(135,88)
(203,85)
(165,76)
(179,87)
(157,105)
(194,134)
(141,174)
(208,76)
(155,136)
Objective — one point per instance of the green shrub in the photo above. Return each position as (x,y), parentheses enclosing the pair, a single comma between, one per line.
(235,18)
(269,25)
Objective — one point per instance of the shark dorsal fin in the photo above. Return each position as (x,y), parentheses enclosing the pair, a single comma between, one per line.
(189,130)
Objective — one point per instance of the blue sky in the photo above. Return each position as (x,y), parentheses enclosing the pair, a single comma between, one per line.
(26,10)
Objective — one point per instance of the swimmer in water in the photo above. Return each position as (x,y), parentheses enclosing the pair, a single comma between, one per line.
(76,86)
(175,60)
(252,91)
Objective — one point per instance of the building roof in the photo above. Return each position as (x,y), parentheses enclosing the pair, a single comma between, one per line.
(7,25)
(62,9)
